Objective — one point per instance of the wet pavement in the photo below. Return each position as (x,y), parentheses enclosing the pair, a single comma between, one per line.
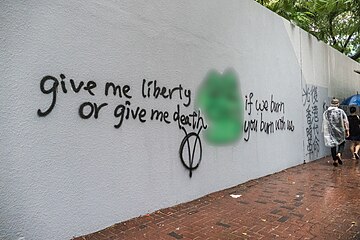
(310,201)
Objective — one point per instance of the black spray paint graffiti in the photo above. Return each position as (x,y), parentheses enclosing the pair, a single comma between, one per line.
(310,102)
(53,90)
(194,138)
(263,106)
(50,85)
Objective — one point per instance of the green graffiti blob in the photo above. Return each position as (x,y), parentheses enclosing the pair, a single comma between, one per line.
(219,98)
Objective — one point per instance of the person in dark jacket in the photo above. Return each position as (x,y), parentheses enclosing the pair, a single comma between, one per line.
(354,130)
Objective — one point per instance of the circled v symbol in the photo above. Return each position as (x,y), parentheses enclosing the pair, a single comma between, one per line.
(192,159)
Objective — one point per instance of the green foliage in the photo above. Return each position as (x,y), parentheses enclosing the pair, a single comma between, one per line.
(336,22)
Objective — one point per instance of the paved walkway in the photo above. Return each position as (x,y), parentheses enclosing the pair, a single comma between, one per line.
(310,201)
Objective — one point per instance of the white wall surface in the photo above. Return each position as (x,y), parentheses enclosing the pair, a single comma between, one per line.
(64,176)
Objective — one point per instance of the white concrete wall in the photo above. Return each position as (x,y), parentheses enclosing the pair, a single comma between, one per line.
(64,176)
(325,73)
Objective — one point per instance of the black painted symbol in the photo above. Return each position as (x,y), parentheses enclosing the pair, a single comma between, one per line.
(189,138)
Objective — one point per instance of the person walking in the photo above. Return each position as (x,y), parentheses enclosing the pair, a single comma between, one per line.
(354,132)
(336,129)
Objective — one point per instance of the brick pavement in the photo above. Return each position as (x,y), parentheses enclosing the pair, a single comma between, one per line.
(309,201)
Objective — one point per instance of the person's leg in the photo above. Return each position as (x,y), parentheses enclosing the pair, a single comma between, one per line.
(340,151)
(341,148)
(357,148)
(333,154)
(352,148)
(334,157)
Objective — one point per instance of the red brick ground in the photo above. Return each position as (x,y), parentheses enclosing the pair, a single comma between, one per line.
(310,201)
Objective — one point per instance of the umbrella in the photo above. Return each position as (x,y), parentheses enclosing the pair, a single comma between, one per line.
(353,100)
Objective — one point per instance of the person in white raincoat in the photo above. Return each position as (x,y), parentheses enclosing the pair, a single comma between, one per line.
(336,129)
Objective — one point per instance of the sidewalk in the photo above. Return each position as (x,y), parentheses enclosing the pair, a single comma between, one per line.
(309,201)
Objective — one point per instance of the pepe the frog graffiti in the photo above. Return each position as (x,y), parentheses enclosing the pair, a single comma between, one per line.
(220,100)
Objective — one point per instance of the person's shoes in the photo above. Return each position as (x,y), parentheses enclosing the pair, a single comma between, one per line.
(356,156)
(338,156)
(335,163)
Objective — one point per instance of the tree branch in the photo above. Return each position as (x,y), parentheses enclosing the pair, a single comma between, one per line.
(356,56)
(331,18)
(348,40)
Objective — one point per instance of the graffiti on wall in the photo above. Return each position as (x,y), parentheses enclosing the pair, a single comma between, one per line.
(220,99)
(310,98)
(219,111)
(191,144)
(259,110)
(191,124)
(315,101)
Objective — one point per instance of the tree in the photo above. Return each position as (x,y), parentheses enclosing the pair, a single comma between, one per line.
(336,22)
